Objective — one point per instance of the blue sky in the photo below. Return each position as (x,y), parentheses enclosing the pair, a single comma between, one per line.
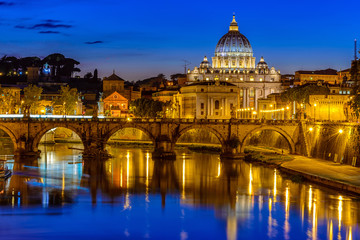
(141,38)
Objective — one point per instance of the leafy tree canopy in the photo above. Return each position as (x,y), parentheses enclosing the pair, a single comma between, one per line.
(144,107)
(67,100)
(301,94)
(31,100)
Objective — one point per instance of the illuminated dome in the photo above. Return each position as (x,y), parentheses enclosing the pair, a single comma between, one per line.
(233,43)
(262,63)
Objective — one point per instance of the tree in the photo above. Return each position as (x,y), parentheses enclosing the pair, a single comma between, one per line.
(355,77)
(68,100)
(95,75)
(9,101)
(355,72)
(31,100)
(144,107)
(55,60)
(301,94)
(88,75)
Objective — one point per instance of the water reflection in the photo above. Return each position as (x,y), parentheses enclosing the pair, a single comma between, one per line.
(249,201)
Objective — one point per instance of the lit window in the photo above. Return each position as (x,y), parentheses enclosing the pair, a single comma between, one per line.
(251,78)
(207,79)
(241,79)
(348,92)
(340,92)
(261,79)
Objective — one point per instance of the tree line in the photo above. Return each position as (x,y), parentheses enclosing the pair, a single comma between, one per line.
(59,65)
(31,101)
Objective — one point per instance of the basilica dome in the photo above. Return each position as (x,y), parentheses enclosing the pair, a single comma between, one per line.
(233,43)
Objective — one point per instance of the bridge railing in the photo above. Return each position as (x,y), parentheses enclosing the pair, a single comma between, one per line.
(168,120)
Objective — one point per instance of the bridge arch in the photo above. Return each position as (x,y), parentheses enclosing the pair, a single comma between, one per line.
(283,133)
(218,135)
(36,141)
(113,130)
(11,135)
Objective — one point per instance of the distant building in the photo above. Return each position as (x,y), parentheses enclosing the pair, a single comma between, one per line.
(207,100)
(115,105)
(234,63)
(115,83)
(166,95)
(274,108)
(328,76)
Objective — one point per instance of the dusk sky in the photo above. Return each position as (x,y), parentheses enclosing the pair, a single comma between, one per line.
(141,39)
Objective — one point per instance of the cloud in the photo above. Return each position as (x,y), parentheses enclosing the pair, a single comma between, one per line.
(52,21)
(49,32)
(50,25)
(45,24)
(94,42)
(2,3)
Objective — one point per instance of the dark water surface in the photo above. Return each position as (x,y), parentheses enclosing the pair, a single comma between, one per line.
(197,196)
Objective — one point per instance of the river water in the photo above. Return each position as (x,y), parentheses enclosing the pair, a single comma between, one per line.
(197,196)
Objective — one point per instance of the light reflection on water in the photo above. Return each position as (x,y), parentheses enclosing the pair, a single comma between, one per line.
(195,197)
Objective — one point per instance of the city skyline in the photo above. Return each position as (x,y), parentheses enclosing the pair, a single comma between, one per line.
(142,39)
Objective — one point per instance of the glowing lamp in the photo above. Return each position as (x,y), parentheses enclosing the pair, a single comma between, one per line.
(310,129)
(341,131)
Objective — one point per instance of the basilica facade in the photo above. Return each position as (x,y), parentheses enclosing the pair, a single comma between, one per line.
(234,62)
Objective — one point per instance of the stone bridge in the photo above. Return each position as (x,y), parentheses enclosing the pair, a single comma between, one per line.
(233,134)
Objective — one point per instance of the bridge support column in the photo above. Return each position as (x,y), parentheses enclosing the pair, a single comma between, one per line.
(232,149)
(95,150)
(164,148)
(23,149)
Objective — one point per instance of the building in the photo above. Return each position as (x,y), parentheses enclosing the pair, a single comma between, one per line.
(274,108)
(115,83)
(234,63)
(207,100)
(328,76)
(115,105)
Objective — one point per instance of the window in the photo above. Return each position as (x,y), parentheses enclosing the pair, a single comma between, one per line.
(202,90)
(251,78)
(231,90)
(202,112)
(217,104)
(231,106)
(340,92)
(202,105)
(252,92)
(348,92)
(241,79)
(333,91)
(261,79)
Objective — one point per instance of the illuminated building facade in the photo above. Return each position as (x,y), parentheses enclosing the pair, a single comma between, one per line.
(207,100)
(234,63)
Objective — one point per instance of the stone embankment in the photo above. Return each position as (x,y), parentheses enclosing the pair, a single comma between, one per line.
(329,174)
